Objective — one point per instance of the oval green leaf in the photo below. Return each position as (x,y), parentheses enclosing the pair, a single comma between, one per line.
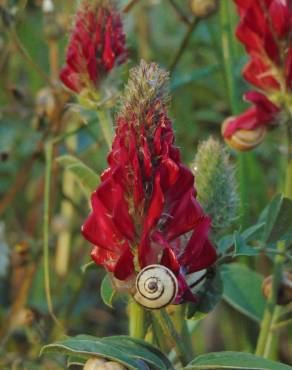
(132,353)
(237,281)
(235,360)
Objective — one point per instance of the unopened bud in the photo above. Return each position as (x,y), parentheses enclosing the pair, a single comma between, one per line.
(216,185)
(245,140)
(203,8)
(284,296)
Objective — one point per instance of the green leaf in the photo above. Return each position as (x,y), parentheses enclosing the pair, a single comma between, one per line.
(197,75)
(88,266)
(86,177)
(225,243)
(75,360)
(132,353)
(278,219)
(242,249)
(209,295)
(235,360)
(107,292)
(252,233)
(242,290)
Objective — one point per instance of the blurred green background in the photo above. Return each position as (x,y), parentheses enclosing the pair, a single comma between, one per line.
(163,31)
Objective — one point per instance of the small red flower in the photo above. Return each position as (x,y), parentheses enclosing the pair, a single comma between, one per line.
(265,31)
(97,45)
(145,210)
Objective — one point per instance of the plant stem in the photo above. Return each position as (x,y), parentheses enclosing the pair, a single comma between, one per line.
(265,337)
(171,333)
(137,320)
(22,50)
(105,122)
(228,55)
(48,171)
(288,180)
(184,43)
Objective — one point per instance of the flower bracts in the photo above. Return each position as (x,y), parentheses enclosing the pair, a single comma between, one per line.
(145,210)
(96,46)
(265,31)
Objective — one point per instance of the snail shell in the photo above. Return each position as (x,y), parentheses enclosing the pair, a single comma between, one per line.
(94,363)
(156,287)
(245,140)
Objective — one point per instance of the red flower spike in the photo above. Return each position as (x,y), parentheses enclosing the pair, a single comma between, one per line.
(96,46)
(265,31)
(145,210)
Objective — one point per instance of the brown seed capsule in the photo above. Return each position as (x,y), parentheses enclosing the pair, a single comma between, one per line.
(94,363)
(284,291)
(245,140)
(203,8)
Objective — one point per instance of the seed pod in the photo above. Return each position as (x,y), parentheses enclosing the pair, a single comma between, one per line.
(284,290)
(94,363)
(156,287)
(203,8)
(245,140)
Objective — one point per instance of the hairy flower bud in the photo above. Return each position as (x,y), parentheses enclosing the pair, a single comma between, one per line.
(203,8)
(216,184)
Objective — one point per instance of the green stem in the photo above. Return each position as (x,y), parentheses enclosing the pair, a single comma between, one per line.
(171,333)
(184,43)
(181,327)
(137,320)
(105,122)
(48,171)
(271,312)
(228,55)
(288,181)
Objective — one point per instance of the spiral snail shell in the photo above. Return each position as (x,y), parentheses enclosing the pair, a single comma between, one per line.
(245,140)
(156,287)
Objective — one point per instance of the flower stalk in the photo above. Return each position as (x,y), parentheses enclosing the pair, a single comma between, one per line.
(265,338)
(137,320)
(106,126)
(171,333)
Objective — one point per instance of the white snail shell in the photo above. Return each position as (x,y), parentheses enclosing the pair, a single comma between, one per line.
(156,287)
(94,363)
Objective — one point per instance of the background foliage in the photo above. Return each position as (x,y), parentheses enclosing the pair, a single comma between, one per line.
(193,51)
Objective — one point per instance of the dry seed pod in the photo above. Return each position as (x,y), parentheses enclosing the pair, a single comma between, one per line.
(156,287)
(94,363)
(284,291)
(245,140)
(203,8)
